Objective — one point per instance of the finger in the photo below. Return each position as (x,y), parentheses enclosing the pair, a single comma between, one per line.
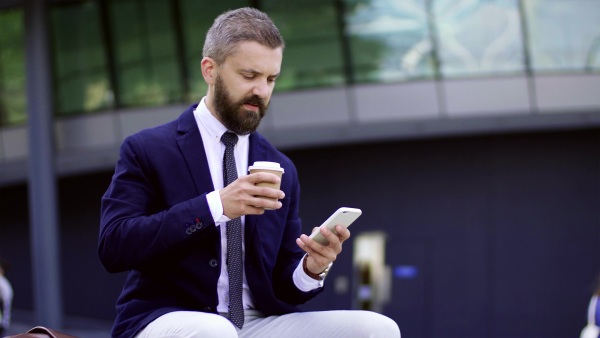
(264,203)
(269,201)
(314,229)
(266,192)
(309,245)
(263,177)
(304,246)
(253,210)
(343,233)
(335,243)
(321,253)
(331,237)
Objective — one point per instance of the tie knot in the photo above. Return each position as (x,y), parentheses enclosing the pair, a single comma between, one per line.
(229,139)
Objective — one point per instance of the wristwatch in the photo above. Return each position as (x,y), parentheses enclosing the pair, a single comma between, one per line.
(318,276)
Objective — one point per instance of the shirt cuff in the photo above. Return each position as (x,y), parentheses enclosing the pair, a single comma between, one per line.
(216,207)
(303,281)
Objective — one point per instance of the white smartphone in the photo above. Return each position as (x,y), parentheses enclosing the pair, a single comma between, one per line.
(343,216)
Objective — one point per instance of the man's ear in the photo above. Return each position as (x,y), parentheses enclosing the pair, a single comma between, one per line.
(209,70)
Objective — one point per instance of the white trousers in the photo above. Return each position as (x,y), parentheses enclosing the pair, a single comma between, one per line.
(339,323)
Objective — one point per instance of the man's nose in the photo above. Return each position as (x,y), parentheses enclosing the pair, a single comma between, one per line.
(262,89)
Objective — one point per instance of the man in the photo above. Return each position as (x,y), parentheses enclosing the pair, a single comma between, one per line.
(180,191)
(6,296)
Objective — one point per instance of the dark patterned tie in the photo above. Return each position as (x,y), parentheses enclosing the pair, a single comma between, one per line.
(234,238)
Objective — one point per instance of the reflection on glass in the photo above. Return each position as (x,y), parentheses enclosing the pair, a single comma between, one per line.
(479,37)
(148,72)
(313,53)
(12,68)
(389,40)
(196,18)
(80,71)
(564,35)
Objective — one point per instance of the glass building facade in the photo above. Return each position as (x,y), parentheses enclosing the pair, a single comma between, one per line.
(12,68)
(143,53)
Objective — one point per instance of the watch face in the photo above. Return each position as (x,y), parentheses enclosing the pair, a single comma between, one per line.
(323,274)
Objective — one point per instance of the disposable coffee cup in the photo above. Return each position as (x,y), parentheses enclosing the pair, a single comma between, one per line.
(267,167)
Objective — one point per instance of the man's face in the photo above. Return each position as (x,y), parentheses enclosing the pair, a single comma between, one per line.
(233,114)
(243,86)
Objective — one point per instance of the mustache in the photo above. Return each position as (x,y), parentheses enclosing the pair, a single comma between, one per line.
(255,101)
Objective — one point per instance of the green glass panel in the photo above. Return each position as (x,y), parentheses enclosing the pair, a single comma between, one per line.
(479,37)
(80,70)
(196,18)
(389,40)
(12,68)
(143,33)
(564,35)
(313,52)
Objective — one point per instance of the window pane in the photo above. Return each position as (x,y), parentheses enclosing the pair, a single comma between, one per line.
(197,16)
(12,68)
(564,34)
(389,40)
(479,37)
(80,72)
(313,53)
(148,70)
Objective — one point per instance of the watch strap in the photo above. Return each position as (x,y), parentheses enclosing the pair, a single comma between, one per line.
(317,276)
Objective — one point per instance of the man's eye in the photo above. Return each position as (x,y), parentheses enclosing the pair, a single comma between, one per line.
(248,77)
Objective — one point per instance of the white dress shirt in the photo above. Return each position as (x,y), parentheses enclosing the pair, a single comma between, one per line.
(211,131)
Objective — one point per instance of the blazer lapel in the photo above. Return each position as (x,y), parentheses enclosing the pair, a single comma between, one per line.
(192,149)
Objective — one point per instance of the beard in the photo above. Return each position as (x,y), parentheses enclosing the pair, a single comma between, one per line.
(233,114)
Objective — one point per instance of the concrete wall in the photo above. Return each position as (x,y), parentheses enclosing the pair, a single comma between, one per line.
(361,113)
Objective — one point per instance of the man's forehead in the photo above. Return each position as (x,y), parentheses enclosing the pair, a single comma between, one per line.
(257,58)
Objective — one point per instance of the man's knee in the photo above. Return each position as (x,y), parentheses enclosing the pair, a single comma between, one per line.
(217,327)
(373,324)
(190,324)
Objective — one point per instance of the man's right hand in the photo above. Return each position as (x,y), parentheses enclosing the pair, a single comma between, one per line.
(243,197)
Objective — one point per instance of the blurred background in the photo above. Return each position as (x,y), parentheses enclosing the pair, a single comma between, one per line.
(468,132)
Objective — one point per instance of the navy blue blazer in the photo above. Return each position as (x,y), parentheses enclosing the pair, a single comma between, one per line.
(156,224)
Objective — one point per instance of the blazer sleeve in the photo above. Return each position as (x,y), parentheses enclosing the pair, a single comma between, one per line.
(136,225)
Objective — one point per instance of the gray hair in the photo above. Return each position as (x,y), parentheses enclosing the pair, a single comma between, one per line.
(235,26)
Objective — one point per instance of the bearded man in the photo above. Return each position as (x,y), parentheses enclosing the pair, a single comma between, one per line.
(207,254)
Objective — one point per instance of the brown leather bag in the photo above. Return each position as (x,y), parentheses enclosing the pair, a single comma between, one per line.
(42,332)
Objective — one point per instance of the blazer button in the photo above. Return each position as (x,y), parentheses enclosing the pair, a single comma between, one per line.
(213,263)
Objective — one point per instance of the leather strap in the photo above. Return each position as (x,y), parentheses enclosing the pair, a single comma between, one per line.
(42,332)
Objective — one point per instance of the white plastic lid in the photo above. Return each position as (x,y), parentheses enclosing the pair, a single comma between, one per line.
(265,165)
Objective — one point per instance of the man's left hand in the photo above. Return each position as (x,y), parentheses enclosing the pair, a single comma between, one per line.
(320,256)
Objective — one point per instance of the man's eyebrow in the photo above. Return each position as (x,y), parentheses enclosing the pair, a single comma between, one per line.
(251,71)
(256,72)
